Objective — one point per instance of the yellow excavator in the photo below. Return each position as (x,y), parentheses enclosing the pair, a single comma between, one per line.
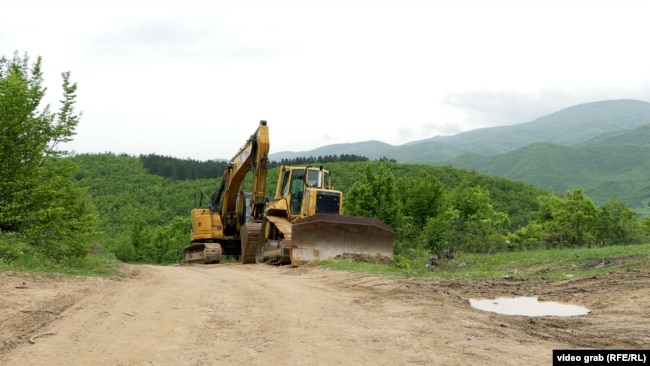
(305,222)
(216,228)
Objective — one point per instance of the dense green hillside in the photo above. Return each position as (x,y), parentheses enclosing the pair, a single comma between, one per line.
(123,189)
(602,170)
(517,199)
(636,136)
(134,204)
(434,210)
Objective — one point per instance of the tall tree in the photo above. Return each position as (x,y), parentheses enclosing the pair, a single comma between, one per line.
(570,221)
(470,223)
(422,198)
(375,195)
(617,224)
(38,196)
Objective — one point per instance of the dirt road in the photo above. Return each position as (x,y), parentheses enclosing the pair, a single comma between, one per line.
(264,315)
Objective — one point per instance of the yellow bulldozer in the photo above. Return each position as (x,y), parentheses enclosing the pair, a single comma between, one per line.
(303,222)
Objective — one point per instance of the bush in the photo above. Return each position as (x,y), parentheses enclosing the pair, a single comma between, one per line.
(12,247)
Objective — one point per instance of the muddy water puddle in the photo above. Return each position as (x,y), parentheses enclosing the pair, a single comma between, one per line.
(528,306)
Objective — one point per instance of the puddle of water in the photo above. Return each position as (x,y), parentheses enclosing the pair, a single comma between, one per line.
(528,306)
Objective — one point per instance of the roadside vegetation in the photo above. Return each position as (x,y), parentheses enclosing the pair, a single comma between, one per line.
(84,214)
(551,264)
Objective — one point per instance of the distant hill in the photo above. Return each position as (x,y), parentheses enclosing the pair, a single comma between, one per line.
(545,164)
(607,165)
(368,148)
(603,147)
(637,136)
(568,127)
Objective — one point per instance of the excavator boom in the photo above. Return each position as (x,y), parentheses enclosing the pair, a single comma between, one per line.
(216,230)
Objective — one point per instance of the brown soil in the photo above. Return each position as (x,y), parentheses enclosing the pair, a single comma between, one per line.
(265,315)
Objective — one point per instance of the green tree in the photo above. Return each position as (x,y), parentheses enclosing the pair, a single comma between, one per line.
(469,224)
(568,222)
(375,195)
(38,196)
(423,198)
(616,224)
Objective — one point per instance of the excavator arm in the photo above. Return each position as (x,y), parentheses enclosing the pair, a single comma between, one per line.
(217,230)
(253,155)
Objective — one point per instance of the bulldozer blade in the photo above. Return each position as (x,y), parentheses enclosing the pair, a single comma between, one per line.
(328,236)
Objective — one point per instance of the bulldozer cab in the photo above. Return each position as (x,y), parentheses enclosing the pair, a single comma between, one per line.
(294,187)
(297,182)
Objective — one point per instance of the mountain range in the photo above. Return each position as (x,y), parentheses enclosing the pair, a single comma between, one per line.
(603,147)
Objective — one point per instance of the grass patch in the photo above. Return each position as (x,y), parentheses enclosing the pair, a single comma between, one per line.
(374,268)
(17,255)
(548,264)
(23,258)
(93,265)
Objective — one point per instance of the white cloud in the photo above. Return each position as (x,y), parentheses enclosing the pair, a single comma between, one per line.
(193,78)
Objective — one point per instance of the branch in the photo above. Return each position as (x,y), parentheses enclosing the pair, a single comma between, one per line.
(31,339)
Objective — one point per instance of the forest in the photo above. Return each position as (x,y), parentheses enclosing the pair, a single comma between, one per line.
(435,211)
(62,208)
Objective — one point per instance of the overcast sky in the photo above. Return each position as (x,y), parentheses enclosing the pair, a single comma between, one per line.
(193,79)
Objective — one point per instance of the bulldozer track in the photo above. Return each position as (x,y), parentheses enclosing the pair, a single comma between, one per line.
(276,249)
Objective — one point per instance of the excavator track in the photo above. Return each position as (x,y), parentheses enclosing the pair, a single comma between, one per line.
(251,238)
(203,253)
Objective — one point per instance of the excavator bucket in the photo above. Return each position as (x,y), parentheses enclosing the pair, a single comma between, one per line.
(328,236)
(251,238)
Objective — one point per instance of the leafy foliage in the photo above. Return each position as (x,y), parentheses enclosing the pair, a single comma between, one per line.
(469,224)
(375,195)
(182,169)
(144,217)
(38,197)
(576,221)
